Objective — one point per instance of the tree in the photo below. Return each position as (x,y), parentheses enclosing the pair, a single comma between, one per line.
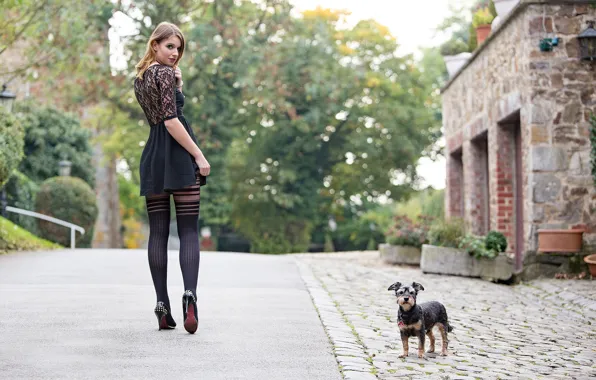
(11,145)
(337,116)
(49,35)
(50,137)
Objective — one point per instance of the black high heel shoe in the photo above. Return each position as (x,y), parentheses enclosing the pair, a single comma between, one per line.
(189,309)
(164,317)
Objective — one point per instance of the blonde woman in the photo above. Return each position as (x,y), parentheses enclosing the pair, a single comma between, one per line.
(171,164)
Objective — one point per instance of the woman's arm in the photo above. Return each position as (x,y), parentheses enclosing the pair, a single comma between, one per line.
(167,82)
(179,133)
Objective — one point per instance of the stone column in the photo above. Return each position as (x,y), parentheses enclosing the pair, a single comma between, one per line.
(454,186)
(505,183)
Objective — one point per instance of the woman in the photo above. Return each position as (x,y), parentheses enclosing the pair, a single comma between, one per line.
(171,163)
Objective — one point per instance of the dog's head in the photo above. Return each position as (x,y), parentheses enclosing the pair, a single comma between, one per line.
(406,295)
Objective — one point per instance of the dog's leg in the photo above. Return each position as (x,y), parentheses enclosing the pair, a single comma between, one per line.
(431,336)
(421,337)
(404,342)
(443,330)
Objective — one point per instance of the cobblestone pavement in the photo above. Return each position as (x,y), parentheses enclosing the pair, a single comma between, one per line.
(542,329)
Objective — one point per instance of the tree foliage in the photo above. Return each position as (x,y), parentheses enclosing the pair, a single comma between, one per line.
(337,115)
(50,137)
(48,35)
(300,117)
(11,145)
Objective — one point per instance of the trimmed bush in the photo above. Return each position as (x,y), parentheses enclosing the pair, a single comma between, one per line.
(476,246)
(447,233)
(69,199)
(11,145)
(21,192)
(496,241)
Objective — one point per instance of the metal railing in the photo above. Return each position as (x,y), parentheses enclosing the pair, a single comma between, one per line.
(73,227)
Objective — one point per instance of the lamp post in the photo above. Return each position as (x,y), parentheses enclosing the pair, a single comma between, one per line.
(64,167)
(6,100)
(587,43)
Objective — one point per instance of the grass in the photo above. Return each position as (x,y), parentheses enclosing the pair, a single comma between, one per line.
(15,238)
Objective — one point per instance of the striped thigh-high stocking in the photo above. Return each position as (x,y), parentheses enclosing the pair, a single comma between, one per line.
(187,203)
(158,209)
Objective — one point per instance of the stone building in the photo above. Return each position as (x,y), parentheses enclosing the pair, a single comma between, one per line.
(516,121)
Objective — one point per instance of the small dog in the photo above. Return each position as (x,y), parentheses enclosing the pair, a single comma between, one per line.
(419,320)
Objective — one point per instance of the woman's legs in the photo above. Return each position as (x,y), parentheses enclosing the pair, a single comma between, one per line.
(187,202)
(158,209)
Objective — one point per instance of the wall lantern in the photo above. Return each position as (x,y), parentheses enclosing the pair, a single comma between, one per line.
(587,43)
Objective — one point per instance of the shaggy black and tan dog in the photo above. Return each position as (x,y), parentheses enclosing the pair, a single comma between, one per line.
(419,319)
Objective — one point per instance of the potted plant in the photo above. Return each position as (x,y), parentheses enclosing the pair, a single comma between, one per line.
(481,21)
(591,261)
(560,241)
(475,256)
(489,246)
(455,54)
(404,240)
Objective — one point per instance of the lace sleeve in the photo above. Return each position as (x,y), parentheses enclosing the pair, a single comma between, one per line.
(167,89)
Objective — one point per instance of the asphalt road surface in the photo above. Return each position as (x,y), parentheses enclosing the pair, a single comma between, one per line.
(88,314)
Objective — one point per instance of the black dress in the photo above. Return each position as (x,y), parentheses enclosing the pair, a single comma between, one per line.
(165,165)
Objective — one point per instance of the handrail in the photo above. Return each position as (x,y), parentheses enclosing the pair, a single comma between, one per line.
(73,227)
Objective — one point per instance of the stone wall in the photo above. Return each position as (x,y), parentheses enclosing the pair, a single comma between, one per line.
(562,98)
(547,96)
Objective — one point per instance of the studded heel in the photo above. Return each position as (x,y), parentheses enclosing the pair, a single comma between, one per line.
(164,318)
(189,309)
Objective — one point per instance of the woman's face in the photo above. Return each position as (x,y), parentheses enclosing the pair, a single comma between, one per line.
(167,51)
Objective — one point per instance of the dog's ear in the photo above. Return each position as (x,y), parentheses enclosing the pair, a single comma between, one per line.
(417,286)
(395,286)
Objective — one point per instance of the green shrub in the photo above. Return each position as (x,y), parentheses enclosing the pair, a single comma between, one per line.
(69,199)
(286,237)
(453,47)
(428,202)
(354,232)
(11,145)
(51,136)
(407,233)
(496,241)
(21,192)
(476,246)
(131,203)
(271,229)
(434,204)
(446,233)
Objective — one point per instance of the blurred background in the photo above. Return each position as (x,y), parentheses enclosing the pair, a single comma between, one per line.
(321,118)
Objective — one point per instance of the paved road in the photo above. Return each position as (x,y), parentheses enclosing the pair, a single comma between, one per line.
(88,314)
(542,329)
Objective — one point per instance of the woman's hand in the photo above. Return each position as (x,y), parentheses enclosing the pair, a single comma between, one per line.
(204,167)
(178,75)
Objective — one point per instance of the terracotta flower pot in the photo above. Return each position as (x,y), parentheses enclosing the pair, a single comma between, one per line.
(482,33)
(566,241)
(591,261)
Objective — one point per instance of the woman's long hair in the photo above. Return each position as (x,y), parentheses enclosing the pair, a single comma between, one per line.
(163,31)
